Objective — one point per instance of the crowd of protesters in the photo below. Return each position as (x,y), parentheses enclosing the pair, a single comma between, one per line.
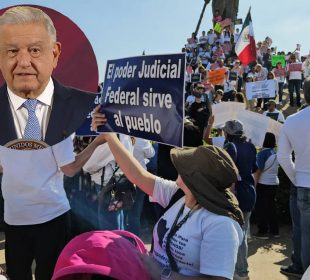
(204,195)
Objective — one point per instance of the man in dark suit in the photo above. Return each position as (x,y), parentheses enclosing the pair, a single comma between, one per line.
(33,106)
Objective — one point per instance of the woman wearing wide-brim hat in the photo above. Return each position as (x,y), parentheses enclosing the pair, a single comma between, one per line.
(200,234)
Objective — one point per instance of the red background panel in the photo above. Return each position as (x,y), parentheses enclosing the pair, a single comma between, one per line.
(77,66)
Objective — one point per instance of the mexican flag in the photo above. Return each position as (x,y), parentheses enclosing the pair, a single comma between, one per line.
(245,46)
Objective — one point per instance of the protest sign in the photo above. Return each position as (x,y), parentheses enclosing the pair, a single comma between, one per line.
(268,42)
(85,130)
(143,97)
(226,22)
(233,76)
(261,89)
(195,78)
(216,77)
(274,127)
(278,72)
(295,67)
(278,58)
(238,21)
(218,28)
(226,111)
(255,126)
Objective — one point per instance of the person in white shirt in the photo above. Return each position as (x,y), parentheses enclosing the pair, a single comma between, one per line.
(36,207)
(260,74)
(142,151)
(294,70)
(101,167)
(236,35)
(211,37)
(306,66)
(273,112)
(203,39)
(198,236)
(295,136)
(267,182)
(280,74)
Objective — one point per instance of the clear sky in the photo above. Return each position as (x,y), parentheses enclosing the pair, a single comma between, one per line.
(120,28)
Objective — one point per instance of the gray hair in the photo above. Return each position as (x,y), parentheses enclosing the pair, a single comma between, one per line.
(306,89)
(27,14)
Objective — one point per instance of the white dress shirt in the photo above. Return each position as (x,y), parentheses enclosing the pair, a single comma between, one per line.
(43,110)
(142,151)
(295,136)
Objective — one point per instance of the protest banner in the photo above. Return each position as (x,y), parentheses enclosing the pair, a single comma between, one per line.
(261,89)
(278,58)
(217,28)
(143,97)
(195,78)
(216,77)
(226,22)
(226,111)
(255,126)
(295,67)
(85,130)
(274,127)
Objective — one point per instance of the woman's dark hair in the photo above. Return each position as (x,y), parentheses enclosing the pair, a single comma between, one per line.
(270,140)
(240,97)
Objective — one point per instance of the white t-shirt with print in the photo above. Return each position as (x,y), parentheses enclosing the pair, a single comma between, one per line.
(33,191)
(206,244)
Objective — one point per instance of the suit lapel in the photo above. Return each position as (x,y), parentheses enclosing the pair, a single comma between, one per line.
(7,128)
(56,129)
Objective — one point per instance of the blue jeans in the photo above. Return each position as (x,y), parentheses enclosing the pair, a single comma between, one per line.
(280,92)
(132,216)
(242,259)
(294,85)
(300,213)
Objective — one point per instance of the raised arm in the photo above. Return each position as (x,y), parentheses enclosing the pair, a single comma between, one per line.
(129,165)
(72,168)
